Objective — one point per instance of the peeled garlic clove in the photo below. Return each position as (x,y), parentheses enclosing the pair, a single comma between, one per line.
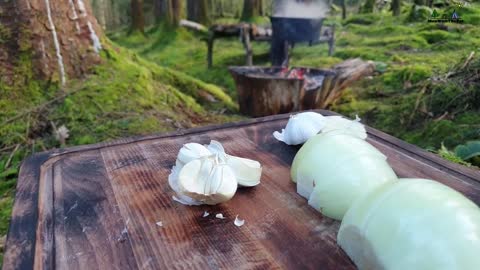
(345,126)
(191,151)
(173,182)
(247,171)
(300,128)
(208,181)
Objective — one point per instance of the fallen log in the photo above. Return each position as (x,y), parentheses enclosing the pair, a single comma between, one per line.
(194,26)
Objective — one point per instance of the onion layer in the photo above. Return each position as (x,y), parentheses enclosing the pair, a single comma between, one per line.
(412,224)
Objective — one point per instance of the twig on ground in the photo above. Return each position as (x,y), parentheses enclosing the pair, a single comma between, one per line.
(469,59)
(465,64)
(43,106)
(11,156)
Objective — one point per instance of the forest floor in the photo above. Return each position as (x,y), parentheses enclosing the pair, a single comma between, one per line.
(414,58)
(161,83)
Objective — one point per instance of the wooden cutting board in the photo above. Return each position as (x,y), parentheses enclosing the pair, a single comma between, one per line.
(96,207)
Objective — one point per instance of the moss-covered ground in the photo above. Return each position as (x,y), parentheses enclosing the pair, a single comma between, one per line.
(160,82)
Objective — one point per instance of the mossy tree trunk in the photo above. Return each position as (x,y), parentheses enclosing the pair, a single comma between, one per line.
(198,11)
(396,7)
(54,40)
(138,18)
(251,9)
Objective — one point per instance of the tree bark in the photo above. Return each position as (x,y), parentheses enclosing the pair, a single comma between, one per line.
(160,10)
(198,11)
(344,10)
(56,40)
(138,18)
(251,9)
(396,7)
(100,10)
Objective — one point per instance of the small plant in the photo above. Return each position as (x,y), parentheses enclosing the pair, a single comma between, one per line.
(469,151)
(451,156)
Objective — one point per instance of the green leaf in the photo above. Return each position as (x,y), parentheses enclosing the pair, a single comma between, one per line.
(469,150)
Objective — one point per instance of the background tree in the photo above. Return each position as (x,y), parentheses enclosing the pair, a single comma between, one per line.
(54,40)
(344,9)
(420,2)
(199,11)
(396,7)
(138,18)
(169,11)
(368,6)
(251,9)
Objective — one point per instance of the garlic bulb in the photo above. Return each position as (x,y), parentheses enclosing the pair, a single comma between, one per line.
(303,126)
(185,180)
(300,128)
(332,169)
(207,180)
(412,224)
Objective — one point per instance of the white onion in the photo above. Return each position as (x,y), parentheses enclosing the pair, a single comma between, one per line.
(412,224)
(333,169)
(338,123)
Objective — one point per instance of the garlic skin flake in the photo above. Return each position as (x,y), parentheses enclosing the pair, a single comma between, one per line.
(207,180)
(238,222)
(300,128)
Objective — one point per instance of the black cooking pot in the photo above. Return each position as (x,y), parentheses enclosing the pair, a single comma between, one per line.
(296,29)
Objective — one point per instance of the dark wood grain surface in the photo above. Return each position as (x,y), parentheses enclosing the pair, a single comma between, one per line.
(96,206)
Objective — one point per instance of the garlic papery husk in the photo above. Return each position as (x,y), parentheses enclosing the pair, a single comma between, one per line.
(333,169)
(412,224)
(207,180)
(247,171)
(300,128)
(339,124)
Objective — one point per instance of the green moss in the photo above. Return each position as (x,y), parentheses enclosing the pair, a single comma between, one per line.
(363,19)
(419,14)
(398,76)
(435,36)
(5,34)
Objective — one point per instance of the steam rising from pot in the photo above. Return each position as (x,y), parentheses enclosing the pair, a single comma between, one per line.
(301,9)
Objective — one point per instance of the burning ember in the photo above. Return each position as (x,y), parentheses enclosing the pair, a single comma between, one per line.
(311,81)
